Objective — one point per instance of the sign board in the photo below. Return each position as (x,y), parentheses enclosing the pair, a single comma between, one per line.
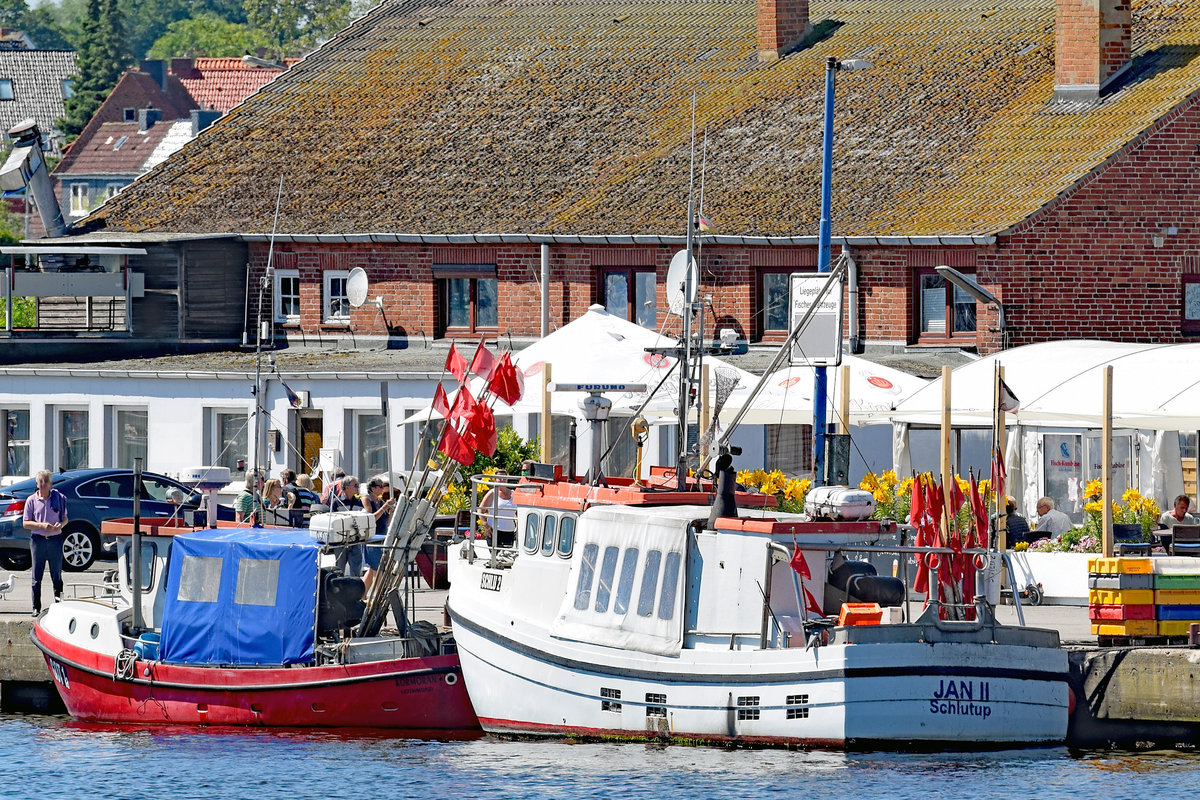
(820,344)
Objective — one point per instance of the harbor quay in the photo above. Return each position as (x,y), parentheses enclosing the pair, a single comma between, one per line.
(1132,697)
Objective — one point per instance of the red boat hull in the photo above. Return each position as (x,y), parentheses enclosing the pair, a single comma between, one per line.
(412,694)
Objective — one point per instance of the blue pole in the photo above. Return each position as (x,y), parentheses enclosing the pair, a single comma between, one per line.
(821,382)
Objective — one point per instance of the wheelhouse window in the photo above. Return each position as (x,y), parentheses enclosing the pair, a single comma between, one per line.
(130,436)
(257,582)
(72,438)
(631,294)
(944,312)
(335,304)
(287,296)
(199,579)
(467,297)
(16,442)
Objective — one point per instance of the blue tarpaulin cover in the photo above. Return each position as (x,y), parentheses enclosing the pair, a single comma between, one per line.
(241,596)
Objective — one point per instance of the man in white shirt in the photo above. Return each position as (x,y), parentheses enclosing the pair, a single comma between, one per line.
(1051,522)
(1179,514)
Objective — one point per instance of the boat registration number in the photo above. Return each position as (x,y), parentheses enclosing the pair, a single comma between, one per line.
(490,581)
(60,674)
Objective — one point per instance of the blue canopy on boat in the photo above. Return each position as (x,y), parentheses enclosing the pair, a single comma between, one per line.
(241,596)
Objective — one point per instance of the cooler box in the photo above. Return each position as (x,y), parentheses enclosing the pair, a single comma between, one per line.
(839,502)
(342,527)
(860,614)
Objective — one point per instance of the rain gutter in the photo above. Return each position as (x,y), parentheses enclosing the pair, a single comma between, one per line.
(629,239)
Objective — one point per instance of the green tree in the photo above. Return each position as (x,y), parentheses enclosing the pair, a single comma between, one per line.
(101,58)
(44,28)
(149,20)
(293,26)
(206,34)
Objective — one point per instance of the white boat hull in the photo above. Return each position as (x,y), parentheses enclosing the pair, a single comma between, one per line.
(946,694)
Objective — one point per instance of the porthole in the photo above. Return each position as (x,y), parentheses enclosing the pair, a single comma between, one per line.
(95,630)
(451,679)
(71,625)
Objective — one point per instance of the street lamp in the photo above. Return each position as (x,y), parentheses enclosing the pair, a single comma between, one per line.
(980,294)
(821,382)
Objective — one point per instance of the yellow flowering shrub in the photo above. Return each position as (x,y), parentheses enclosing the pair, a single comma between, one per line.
(788,492)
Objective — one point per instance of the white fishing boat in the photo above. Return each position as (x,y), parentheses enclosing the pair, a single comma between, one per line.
(667,609)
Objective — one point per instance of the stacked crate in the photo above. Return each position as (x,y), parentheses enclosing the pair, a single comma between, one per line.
(1121,597)
(1176,595)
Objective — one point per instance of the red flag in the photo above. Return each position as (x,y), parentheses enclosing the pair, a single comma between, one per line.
(799,564)
(979,511)
(456,364)
(506,382)
(463,408)
(918,517)
(441,404)
(481,364)
(957,498)
(811,603)
(999,477)
(481,430)
(455,446)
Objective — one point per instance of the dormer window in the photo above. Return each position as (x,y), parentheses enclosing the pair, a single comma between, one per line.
(131,115)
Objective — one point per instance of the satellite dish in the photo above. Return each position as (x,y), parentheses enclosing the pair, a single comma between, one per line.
(356,287)
(677,280)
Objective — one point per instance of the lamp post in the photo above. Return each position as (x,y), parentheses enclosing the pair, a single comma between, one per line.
(821,382)
(979,294)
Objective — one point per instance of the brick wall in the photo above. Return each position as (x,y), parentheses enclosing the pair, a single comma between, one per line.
(1092,40)
(780,25)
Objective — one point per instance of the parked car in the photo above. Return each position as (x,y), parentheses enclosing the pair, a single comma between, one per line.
(93,495)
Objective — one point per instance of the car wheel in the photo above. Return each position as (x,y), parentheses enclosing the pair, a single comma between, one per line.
(17,561)
(80,545)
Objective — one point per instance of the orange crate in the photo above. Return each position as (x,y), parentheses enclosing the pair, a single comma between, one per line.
(860,614)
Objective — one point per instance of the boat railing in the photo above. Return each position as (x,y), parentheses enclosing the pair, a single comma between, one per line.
(946,615)
(488,507)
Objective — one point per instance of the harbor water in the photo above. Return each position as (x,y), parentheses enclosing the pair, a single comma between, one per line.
(53,757)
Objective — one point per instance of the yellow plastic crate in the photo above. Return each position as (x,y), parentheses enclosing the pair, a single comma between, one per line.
(1130,627)
(1177,597)
(1122,597)
(1174,627)
(1120,565)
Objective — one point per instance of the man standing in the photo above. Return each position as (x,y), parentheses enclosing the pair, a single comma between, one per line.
(248,505)
(1051,522)
(45,516)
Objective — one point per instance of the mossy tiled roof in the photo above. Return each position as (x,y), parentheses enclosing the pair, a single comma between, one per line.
(573,117)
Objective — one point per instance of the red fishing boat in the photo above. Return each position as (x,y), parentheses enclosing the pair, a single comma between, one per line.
(241,626)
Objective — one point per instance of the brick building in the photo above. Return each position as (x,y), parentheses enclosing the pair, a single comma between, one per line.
(454,152)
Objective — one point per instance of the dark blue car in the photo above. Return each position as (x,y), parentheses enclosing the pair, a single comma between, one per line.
(93,495)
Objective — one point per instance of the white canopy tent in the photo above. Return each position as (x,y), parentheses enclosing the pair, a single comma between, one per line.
(1060,386)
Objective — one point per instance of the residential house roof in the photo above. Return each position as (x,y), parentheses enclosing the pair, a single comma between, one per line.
(222,83)
(121,149)
(574,117)
(37,86)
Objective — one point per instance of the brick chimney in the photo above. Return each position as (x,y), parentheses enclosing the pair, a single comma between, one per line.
(1092,42)
(781,26)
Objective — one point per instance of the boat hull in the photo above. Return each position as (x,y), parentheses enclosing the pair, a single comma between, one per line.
(425,695)
(879,695)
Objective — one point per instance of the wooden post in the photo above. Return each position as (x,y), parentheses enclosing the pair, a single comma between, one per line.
(947,469)
(544,434)
(705,404)
(1106,519)
(844,396)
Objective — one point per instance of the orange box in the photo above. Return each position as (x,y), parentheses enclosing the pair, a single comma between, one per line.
(860,614)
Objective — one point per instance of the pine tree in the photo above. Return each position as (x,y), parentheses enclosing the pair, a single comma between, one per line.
(101,58)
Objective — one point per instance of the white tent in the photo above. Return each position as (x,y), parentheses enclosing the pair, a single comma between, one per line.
(788,395)
(599,347)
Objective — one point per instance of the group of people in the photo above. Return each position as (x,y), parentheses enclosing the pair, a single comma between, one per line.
(1053,523)
(343,493)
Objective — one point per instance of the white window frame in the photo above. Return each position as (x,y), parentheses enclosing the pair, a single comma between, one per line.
(277,293)
(117,435)
(6,442)
(59,434)
(360,467)
(327,280)
(79,199)
(111,190)
(215,445)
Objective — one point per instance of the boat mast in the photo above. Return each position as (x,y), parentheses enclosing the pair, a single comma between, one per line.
(261,333)
(685,375)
